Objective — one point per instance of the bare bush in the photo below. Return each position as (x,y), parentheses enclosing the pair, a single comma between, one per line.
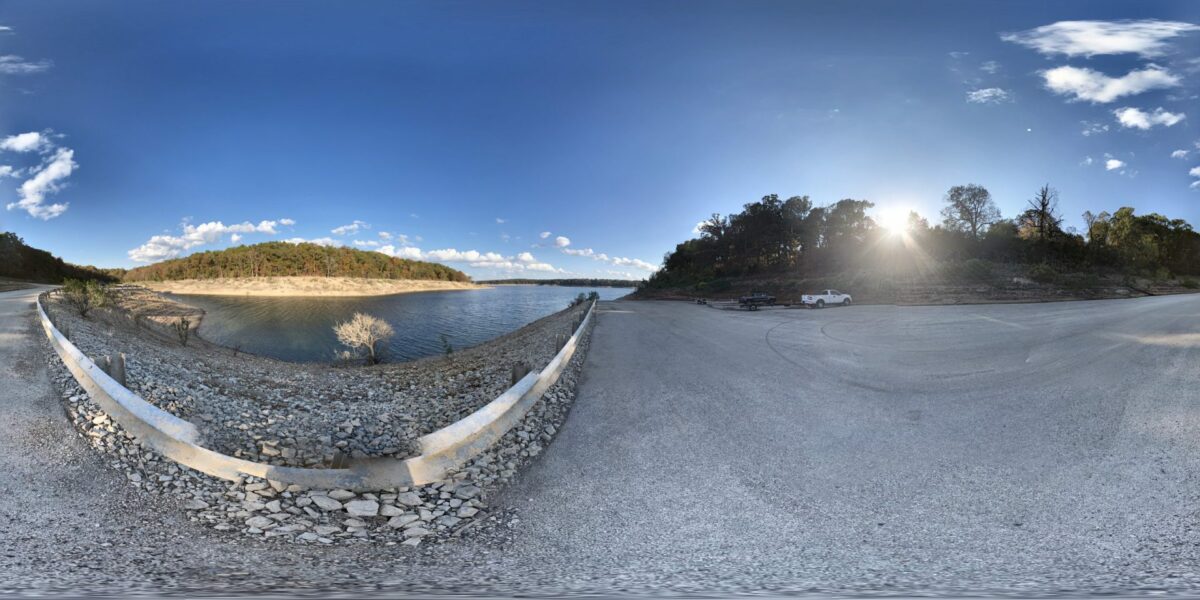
(364,333)
(183,329)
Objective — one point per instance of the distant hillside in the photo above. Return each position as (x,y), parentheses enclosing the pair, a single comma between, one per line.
(622,283)
(18,261)
(281,259)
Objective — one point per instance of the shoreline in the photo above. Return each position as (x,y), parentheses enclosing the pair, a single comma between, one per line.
(304,286)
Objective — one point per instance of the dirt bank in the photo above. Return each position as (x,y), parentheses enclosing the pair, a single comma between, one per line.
(304,286)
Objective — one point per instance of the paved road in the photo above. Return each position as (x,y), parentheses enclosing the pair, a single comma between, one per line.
(1036,447)
(995,446)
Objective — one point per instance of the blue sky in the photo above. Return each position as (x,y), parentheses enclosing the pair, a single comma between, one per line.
(468,131)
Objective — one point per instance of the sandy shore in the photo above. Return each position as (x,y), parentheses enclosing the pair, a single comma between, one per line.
(304,286)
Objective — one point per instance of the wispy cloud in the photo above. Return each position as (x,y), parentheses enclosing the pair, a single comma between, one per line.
(47,177)
(543,235)
(1195,172)
(1096,87)
(1138,119)
(1147,38)
(500,221)
(162,247)
(352,228)
(1113,164)
(562,241)
(1091,128)
(990,67)
(1180,154)
(11,64)
(992,95)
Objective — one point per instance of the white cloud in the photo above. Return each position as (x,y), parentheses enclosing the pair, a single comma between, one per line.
(15,65)
(1146,38)
(544,234)
(385,235)
(1195,172)
(366,243)
(524,261)
(1087,161)
(161,247)
(1139,119)
(1096,87)
(500,221)
(562,241)
(8,171)
(287,222)
(25,142)
(1113,164)
(990,67)
(699,228)
(1179,154)
(402,252)
(5,29)
(351,228)
(322,241)
(612,260)
(47,178)
(1090,128)
(989,96)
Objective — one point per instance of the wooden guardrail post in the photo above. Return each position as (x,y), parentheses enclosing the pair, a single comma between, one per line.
(519,371)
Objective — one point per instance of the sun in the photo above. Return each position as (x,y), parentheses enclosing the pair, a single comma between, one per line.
(893,220)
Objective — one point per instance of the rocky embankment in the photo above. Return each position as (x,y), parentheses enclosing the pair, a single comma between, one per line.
(309,415)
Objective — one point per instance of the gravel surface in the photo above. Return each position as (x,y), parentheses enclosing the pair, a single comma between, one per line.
(302,415)
(1023,450)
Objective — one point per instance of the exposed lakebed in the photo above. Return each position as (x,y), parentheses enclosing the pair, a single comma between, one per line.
(300,329)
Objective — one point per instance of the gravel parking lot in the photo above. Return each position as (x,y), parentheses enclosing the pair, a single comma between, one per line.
(1022,448)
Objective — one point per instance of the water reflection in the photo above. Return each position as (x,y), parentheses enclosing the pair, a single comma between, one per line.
(301,329)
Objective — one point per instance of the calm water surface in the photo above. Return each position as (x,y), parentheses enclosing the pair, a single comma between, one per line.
(301,329)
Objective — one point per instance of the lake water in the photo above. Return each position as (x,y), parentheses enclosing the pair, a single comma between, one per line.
(301,329)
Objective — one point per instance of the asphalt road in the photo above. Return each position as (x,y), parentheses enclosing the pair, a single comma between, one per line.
(1025,448)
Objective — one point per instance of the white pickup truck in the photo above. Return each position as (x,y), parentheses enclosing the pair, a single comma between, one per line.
(825,298)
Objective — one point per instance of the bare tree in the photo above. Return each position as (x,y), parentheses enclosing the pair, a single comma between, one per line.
(969,208)
(364,332)
(1041,219)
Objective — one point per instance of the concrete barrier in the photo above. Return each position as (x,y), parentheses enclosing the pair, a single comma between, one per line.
(441,451)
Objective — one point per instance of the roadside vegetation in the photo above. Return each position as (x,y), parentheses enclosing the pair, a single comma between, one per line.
(791,245)
(282,259)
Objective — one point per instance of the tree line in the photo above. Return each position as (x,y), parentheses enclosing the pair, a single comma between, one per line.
(796,237)
(282,259)
(19,261)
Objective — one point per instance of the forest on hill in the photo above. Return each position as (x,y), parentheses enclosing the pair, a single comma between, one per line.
(795,239)
(19,261)
(283,259)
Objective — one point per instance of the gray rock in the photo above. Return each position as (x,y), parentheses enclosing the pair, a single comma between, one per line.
(259,522)
(409,499)
(401,520)
(362,508)
(341,494)
(415,532)
(326,503)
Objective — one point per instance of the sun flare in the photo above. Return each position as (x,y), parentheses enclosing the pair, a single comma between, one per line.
(894,220)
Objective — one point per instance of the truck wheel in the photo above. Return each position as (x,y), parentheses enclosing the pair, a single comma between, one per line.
(820,304)
(846,302)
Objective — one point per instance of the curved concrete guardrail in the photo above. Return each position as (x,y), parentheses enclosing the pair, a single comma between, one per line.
(441,451)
